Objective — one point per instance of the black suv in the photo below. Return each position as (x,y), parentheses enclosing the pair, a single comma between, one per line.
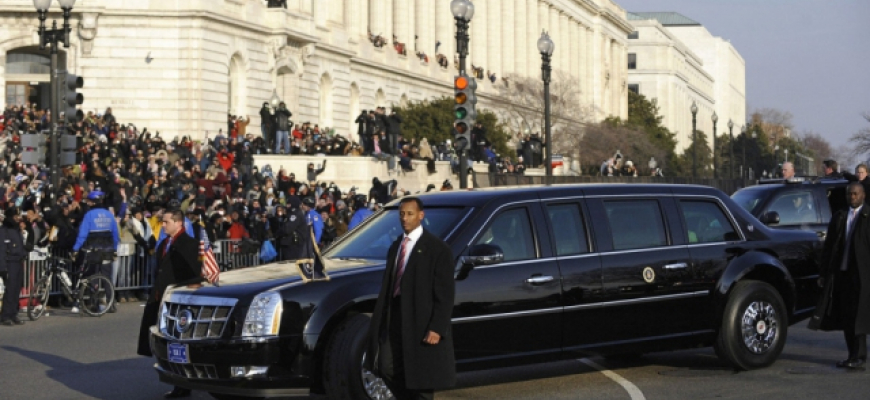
(797,203)
(542,274)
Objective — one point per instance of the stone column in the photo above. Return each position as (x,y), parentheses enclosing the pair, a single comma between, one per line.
(508,30)
(352,11)
(555,36)
(574,28)
(530,43)
(494,48)
(519,21)
(445,30)
(565,38)
(479,35)
(426,17)
(389,28)
(400,21)
(543,24)
(376,17)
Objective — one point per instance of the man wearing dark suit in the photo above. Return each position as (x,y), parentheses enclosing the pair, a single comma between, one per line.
(846,272)
(177,264)
(410,335)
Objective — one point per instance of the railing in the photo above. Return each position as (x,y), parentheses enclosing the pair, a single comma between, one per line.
(134,268)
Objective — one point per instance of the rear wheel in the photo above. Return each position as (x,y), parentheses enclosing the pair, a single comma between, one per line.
(754,326)
(343,372)
(97,295)
(38,299)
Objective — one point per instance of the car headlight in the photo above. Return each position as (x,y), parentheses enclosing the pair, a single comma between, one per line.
(162,319)
(264,315)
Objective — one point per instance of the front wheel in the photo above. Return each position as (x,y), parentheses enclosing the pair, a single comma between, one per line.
(343,372)
(754,326)
(38,299)
(97,295)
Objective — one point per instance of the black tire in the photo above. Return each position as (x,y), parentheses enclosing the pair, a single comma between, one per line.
(96,295)
(757,308)
(342,366)
(38,300)
(222,396)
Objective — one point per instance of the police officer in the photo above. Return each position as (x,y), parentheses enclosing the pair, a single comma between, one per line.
(361,213)
(12,256)
(291,230)
(313,219)
(98,234)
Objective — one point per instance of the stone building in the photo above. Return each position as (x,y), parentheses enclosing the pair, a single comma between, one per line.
(180,66)
(675,60)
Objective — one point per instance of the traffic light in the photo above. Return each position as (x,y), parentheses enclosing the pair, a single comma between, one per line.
(72,98)
(463,110)
(33,148)
(69,149)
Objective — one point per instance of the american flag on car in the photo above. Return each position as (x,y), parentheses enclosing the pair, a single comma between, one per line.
(210,269)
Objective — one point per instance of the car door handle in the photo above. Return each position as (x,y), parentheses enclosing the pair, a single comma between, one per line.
(676,266)
(538,280)
(822,234)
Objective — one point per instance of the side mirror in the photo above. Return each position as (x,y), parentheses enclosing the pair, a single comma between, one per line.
(770,218)
(483,254)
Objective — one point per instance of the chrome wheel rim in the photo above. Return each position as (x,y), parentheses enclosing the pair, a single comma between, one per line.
(760,327)
(374,386)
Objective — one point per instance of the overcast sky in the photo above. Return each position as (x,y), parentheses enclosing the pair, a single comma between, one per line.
(808,57)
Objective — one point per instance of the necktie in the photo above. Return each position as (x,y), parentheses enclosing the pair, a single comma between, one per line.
(850,226)
(400,267)
(168,243)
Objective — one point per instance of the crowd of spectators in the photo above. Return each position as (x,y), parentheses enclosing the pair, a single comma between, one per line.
(214,181)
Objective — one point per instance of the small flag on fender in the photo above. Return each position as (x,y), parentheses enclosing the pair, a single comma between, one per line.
(210,269)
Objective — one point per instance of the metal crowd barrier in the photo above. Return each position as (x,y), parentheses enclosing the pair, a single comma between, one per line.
(133,269)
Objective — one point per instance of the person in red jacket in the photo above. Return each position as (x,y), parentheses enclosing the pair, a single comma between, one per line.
(237,229)
(226,159)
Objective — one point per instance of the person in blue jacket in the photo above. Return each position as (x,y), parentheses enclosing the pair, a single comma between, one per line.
(361,213)
(313,218)
(98,234)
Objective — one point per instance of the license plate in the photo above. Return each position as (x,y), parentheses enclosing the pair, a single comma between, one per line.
(178,353)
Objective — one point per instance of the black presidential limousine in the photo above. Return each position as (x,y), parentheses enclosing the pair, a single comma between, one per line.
(542,274)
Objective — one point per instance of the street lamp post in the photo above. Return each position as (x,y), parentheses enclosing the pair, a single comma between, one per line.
(463,11)
(694,110)
(546,47)
(53,37)
(731,149)
(715,119)
(743,160)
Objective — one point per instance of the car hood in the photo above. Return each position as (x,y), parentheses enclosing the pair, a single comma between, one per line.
(246,282)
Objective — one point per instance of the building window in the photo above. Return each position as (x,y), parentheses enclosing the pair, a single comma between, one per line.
(633,35)
(633,87)
(632,61)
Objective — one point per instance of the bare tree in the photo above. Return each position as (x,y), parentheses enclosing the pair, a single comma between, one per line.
(820,148)
(602,140)
(524,105)
(846,157)
(860,141)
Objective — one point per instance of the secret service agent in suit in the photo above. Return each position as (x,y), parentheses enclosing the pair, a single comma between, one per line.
(846,278)
(177,264)
(410,333)
(12,255)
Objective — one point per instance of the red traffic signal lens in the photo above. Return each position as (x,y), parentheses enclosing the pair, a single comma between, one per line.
(461,128)
(461,83)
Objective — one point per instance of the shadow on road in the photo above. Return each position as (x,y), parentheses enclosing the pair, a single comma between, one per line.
(102,380)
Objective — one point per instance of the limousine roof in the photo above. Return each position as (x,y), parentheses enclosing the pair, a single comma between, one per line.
(479,197)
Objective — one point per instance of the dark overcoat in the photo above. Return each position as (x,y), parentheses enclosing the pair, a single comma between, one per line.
(179,266)
(825,317)
(428,291)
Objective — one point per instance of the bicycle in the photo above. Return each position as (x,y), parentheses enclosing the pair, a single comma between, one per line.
(94,293)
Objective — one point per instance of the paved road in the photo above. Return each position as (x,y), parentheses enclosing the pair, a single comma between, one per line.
(64,356)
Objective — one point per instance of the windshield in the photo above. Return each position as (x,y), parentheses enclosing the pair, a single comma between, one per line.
(373,239)
(750,199)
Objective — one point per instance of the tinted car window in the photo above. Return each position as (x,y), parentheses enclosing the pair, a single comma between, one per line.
(706,223)
(751,198)
(795,208)
(568,228)
(635,224)
(511,231)
(372,240)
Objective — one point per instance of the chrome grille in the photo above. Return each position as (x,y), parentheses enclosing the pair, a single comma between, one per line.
(188,317)
(191,371)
